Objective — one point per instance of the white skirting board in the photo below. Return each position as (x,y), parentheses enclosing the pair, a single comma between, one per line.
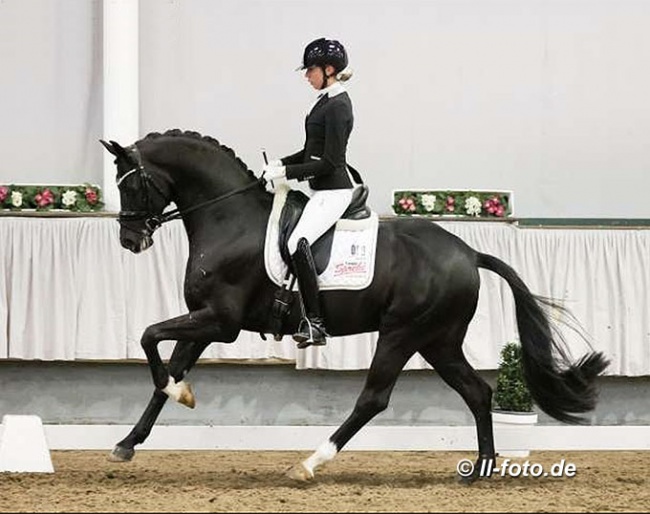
(425,438)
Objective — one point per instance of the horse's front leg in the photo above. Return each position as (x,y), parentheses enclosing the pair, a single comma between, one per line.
(201,326)
(183,358)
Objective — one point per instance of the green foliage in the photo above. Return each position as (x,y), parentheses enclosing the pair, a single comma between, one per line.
(512,393)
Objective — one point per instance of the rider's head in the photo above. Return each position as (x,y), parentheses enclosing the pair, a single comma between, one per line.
(325,61)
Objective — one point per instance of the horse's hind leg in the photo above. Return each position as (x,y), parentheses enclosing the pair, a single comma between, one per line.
(449,361)
(183,358)
(387,363)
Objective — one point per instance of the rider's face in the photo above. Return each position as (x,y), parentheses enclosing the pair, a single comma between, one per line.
(315,76)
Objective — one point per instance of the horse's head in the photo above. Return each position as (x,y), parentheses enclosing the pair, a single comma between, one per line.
(142,198)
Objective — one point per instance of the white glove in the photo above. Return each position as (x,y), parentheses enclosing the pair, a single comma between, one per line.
(274,171)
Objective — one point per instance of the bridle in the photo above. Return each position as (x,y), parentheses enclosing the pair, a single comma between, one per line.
(154,222)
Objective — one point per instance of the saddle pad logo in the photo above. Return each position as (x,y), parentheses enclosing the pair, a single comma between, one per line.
(354,263)
(348,262)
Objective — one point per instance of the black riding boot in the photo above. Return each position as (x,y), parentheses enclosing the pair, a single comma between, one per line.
(311,330)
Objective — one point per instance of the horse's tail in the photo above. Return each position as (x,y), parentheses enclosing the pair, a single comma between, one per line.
(558,386)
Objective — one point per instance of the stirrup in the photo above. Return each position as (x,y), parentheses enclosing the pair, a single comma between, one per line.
(310,333)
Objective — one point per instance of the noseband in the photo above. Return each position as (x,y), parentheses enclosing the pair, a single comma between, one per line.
(146,183)
(154,222)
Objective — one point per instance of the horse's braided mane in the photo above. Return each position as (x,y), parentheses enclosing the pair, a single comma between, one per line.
(196,135)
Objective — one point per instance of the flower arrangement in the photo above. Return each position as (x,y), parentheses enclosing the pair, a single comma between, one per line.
(76,198)
(464,203)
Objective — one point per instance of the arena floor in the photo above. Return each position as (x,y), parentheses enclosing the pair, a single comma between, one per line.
(229,481)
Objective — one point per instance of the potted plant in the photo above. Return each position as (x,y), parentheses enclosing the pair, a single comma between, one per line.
(513,403)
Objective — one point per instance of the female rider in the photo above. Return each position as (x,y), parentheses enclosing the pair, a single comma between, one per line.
(322,163)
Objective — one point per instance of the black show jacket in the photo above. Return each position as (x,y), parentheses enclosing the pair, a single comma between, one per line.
(322,160)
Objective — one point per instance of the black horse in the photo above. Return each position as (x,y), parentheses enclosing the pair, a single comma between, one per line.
(423,295)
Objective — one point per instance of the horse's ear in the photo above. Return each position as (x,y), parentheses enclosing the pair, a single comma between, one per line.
(119,149)
(109,147)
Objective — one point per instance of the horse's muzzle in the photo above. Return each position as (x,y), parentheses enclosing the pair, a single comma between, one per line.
(136,244)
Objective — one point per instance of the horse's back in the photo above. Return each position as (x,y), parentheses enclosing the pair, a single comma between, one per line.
(427,236)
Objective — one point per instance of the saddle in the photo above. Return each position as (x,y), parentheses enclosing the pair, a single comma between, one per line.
(321,248)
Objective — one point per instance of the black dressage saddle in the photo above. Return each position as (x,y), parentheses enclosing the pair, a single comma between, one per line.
(321,248)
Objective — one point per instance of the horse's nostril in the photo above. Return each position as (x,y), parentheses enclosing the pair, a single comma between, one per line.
(128,244)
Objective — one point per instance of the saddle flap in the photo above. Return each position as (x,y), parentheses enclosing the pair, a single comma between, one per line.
(291,213)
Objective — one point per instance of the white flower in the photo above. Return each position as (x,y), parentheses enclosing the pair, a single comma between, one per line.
(473,206)
(429,202)
(69,198)
(16,198)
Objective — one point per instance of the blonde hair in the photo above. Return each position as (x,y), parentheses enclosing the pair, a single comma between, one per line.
(345,74)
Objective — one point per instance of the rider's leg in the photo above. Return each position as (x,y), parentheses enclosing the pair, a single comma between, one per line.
(311,330)
(323,209)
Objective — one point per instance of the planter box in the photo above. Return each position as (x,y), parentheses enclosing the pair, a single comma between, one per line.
(51,197)
(501,419)
(464,203)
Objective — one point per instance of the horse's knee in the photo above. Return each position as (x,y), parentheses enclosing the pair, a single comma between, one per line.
(149,338)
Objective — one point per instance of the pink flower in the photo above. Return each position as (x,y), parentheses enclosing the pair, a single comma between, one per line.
(450,204)
(44,198)
(494,206)
(91,196)
(4,192)
(407,204)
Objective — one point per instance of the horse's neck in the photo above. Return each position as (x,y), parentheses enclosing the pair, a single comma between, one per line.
(223,213)
(205,180)
(201,182)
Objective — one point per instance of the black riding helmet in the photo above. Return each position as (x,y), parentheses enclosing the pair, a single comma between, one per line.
(322,52)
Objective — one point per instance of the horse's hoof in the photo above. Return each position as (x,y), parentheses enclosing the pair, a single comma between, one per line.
(187,396)
(466,480)
(120,454)
(300,473)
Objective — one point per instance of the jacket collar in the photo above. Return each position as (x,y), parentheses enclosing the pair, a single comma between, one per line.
(336,88)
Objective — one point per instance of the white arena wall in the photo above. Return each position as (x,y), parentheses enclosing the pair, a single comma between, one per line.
(546,98)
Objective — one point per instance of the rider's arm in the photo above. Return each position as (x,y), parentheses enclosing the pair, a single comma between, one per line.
(295,158)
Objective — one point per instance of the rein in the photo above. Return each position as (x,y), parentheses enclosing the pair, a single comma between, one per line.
(152,223)
(177,213)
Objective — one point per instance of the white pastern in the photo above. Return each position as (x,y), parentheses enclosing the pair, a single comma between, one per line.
(174,390)
(325,453)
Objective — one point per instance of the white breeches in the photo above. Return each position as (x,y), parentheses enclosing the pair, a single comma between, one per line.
(323,209)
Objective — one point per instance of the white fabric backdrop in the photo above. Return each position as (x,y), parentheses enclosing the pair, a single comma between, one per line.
(68,291)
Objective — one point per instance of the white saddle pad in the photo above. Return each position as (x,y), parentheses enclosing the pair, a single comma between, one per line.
(352,260)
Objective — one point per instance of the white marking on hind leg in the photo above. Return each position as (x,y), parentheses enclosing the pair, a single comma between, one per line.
(304,471)
(325,453)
